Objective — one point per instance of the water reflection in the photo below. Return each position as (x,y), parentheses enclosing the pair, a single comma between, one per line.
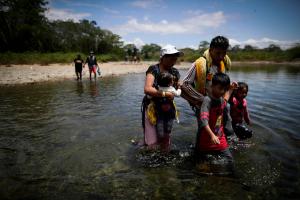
(79,88)
(93,89)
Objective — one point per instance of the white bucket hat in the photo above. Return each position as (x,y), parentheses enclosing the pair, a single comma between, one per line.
(169,50)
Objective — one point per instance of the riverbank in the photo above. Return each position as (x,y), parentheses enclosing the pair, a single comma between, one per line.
(28,74)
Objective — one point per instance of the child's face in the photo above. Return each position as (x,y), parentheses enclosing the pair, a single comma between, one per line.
(218,91)
(242,93)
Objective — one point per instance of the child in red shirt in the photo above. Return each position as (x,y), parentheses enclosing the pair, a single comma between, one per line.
(211,138)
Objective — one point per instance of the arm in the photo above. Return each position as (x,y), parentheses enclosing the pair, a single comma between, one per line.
(214,139)
(188,92)
(227,95)
(177,92)
(246,114)
(85,62)
(204,121)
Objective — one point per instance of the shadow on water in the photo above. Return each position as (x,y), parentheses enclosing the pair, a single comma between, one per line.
(72,140)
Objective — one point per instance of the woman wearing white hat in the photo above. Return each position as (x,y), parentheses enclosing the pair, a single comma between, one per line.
(168,58)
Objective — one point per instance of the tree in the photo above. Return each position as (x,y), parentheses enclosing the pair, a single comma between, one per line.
(128,48)
(236,48)
(203,45)
(273,48)
(294,52)
(85,36)
(249,48)
(151,51)
(23,25)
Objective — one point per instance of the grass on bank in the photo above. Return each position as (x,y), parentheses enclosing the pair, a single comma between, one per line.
(190,55)
(48,58)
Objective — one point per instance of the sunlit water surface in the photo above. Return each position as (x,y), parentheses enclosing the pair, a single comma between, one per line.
(72,140)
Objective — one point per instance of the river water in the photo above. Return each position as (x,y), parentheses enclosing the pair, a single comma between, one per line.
(72,140)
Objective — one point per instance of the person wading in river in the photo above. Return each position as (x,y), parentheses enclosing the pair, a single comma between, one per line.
(92,64)
(168,58)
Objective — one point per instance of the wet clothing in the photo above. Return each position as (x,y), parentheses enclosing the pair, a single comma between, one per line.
(222,154)
(164,110)
(239,113)
(78,65)
(238,110)
(241,131)
(152,138)
(211,114)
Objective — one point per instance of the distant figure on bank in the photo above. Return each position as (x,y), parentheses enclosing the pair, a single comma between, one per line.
(78,67)
(92,64)
(239,111)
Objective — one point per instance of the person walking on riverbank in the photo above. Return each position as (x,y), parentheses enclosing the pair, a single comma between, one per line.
(92,64)
(78,67)
(169,56)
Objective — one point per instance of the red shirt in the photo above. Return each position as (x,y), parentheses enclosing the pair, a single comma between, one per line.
(212,114)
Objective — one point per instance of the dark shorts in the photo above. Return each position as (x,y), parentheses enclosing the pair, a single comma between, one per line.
(241,131)
(78,69)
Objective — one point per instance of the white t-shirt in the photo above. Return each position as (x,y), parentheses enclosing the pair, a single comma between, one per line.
(170,89)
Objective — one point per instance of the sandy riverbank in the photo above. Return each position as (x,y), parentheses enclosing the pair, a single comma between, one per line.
(24,74)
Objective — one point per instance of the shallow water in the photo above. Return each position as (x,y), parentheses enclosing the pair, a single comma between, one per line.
(69,140)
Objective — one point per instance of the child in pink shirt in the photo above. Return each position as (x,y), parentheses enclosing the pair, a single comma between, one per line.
(239,111)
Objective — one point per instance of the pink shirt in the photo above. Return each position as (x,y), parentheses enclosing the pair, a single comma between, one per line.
(239,111)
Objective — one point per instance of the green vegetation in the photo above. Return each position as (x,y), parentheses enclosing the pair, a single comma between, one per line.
(28,37)
(249,53)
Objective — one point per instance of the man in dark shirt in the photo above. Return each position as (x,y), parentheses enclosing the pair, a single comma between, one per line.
(78,67)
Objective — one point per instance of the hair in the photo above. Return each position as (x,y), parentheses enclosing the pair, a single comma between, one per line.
(78,56)
(221,79)
(219,42)
(164,79)
(242,85)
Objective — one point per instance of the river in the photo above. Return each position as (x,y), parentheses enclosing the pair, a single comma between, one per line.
(72,140)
